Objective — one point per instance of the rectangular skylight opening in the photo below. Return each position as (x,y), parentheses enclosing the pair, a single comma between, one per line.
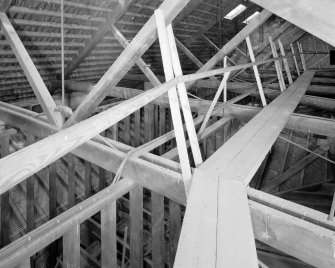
(235,12)
(250,18)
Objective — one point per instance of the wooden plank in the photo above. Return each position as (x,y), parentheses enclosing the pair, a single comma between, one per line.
(183,98)
(233,227)
(88,179)
(302,57)
(287,66)
(33,76)
(140,62)
(277,65)
(173,99)
(108,236)
(5,207)
(283,231)
(295,60)
(157,225)
(267,130)
(71,248)
(118,12)
(308,15)
(71,182)
(258,78)
(30,192)
(136,226)
(140,43)
(174,229)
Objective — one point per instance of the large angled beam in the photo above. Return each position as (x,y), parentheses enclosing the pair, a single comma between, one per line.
(120,9)
(140,43)
(224,182)
(307,14)
(236,40)
(43,95)
(140,62)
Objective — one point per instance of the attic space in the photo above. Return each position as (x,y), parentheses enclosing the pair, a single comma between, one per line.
(167,133)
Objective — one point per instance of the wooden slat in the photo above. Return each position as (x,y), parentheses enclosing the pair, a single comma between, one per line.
(140,43)
(71,248)
(136,226)
(277,65)
(34,78)
(157,223)
(183,98)
(108,236)
(287,66)
(295,60)
(173,99)
(258,78)
(302,57)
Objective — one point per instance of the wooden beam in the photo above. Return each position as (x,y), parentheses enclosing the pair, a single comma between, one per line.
(236,40)
(308,15)
(287,66)
(34,78)
(258,78)
(224,182)
(296,237)
(277,65)
(108,236)
(141,42)
(140,63)
(295,60)
(4,5)
(110,159)
(118,12)
(71,247)
(36,240)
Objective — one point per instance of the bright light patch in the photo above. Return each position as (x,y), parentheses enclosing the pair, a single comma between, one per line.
(235,12)
(250,18)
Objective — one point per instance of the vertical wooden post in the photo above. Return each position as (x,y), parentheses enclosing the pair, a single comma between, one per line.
(71,182)
(5,208)
(137,128)
(126,129)
(258,78)
(286,65)
(136,227)
(71,248)
(162,125)
(30,195)
(174,229)
(295,60)
(277,65)
(302,57)
(108,236)
(102,179)
(88,179)
(52,210)
(174,101)
(157,223)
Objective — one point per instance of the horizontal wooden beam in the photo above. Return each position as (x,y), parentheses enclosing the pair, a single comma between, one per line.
(109,158)
(34,241)
(296,237)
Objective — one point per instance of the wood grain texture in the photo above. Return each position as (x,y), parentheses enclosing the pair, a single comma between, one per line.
(33,76)
(315,17)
